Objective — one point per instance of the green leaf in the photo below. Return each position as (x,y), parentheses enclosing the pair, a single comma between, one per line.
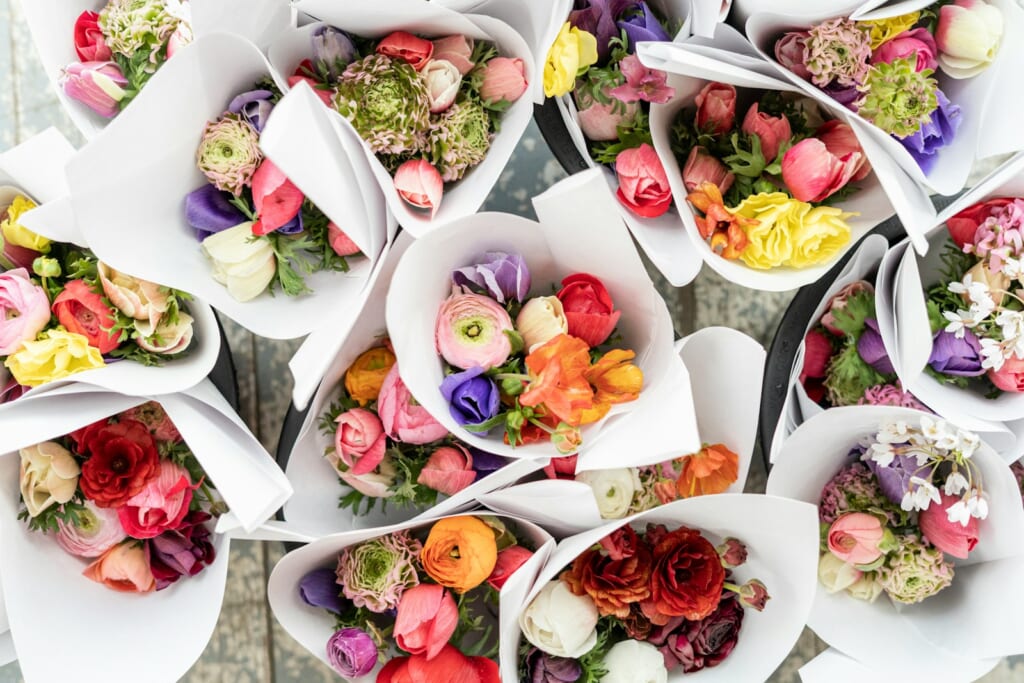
(851,318)
(746,162)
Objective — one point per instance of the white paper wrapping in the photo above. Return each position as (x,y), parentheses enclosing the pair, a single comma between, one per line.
(782,545)
(312,626)
(832,666)
(707,15)
(579,232)
(149,188)
(925,632)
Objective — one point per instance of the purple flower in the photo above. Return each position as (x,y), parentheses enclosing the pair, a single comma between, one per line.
(485,463)
(254,106)
(319,588)
(934,134)
(501,276)
(959,357)
(694,645)
(208,211)
(294,226)
(351,652)
(640,24)
(871,349)
(186,551)
(334,49)
(894,480)
(598,17)
(472,397)
(844,95)
(544,668)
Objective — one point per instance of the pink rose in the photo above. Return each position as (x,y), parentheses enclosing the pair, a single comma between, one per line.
(449,469)
(771,130)
(854,538)
(509,560)
(90,45)
(701,167)
(123,568)
(561,468)
(160,505)
(812,172)
(952,538)
(359,440)
(277,200)
(412,49)
(24,310)
(403,418)
(838,303)
(504,80)
(716,108)
(420,184)
(426,619)
(918,44)
(643,183)
(83,312)
(457,50)
(1010,377)
(341,244)
(99,530)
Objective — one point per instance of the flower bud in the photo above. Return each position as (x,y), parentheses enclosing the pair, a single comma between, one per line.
(716,108)
(341,244)
(701,167)
(733,552)
(449,469)
(541,319)
(244,265)
(754,594)
(789,51)
(566,438)
(968,36)
(43,266)
(443,80)
(772,131)
(420,184)
(456,49)
(333,49)
(97,85)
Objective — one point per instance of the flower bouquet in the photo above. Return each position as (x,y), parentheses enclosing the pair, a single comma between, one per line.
(900,494)
(415,601)
(115,494)
(547,384)
(250,193)
(724,367)
(425,94)
(665,593)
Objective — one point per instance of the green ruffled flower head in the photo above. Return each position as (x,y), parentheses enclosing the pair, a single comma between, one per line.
(915,571)
(837,50)
(848,377)
(229,153)
(897,98)
(387,103)
(132,25)
(376,573)
(459,139)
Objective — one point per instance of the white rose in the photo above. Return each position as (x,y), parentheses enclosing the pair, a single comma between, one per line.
(836,575)
(560,623)
(49,475)
(443,81)
(166,339)
(632,661)
(613,489)
(541,319)
(138,299)
(244,265)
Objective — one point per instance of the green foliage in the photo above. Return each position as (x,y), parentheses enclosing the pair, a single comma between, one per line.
(46,521)
(632,133)
(315,222)
(138,70)
(475,635)
(292,262)
(592,663)
(851,318)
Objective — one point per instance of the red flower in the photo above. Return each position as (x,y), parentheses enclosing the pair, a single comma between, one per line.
(83,312)
(122,459)
(686,578)
(89,43)
(276,198)
(613,584)
(406,46)
(588,308)
(643,183)
(509,560)
(450,666)
(963,225)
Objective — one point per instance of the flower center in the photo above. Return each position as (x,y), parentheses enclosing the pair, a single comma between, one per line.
(119,464)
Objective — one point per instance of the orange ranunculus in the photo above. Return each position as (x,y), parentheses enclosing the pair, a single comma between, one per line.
(557,379)
(722,227)
(123,568)
(615,380)
(460,553)
(711,470)
(365,376)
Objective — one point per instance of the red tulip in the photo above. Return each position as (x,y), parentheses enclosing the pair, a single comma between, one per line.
(812,172)
(276,198)
(963,225)
(771,130)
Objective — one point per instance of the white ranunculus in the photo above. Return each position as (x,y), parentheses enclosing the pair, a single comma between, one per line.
(167,339)
(867,588)
(560,623)
(836,575)
(49,475)
(443,80)
(613,489)
(968,35)
(138,299)
(244,265)
(541,319)
(633,661)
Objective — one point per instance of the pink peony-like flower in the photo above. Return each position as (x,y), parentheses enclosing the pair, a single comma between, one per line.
(341,243)
(426,619)
(24,310)
(456,49)
(600,122)
(643,183)
(359,440)
(277,200)
(403,418)
(952,538)
(418,182)
(917,43)
(449,469)
(1009,377)
(811,172)
(376,573)
(470,331)
(789,52)
(854,538)
(504,80)
(772,131)
(98,530)
(891,395)
(702,167)
(642,83)
(160,506)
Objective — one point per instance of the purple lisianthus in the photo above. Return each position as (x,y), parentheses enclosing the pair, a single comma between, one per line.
(351,652)
(319,588)
(544,668)
(640,24)
(334,49)
(253,106)
(871,348)
(934,134)
(959,357)
(208,211)
(472,397)
(499,275)
(598,17)
(186,551)
(894,479)
(485,463)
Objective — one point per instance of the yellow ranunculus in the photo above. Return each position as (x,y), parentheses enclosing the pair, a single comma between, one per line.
(58,353)
(17,234)
(790,232)
(572,51)
(820,236)
(883,30)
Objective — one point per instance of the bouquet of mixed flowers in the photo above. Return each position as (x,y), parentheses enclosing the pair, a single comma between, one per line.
(256,226)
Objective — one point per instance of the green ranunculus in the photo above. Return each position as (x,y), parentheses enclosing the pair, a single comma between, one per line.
(132,25)
(898,99)
(374,574)
(915,571)
(229,153)
(460,138)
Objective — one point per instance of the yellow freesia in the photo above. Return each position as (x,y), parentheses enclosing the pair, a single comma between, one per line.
(789,232)
(572,51)
(17,234)
(56,354)
(884,30)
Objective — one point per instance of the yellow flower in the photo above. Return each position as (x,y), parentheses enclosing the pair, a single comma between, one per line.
(883,30)
(17,234)
(572,52)
(790,232)
(820,236)
(58,353)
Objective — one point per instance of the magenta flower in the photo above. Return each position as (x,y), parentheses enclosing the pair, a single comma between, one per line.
(98,85)
(642,83)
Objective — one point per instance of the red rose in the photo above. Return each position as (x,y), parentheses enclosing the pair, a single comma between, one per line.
(588,308)
(614,584)
(643,183)
(122,459)
(509,561)
(963,225)
(83,312)
(686,578)
(89,43)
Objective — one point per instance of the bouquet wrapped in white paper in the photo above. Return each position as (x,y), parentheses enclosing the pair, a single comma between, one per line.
(854,463)
(139,510)
(725,369)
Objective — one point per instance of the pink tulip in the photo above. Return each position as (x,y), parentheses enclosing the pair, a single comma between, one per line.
(359,440)
(701,167)
(341,243)
(952,538)
(420,184)
(771,130)
(716,108)
(854,538)
(789,51)
(509,560)
(457,50)
(812,172)
(123,568)
(1009,377)
(276,198)
(426,619)
(918,44)
(504,80)
(97,85)
(840,140)
(449,469)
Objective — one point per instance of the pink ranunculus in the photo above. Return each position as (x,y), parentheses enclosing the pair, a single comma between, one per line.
(643,183)
(98,85)
(276,199)
(701,167)
(600,122)
(562,468)
(403,418)
(181,37)
(964,225)
(509,560)
(90,45)
(642,83)
(457,50)
(82,311)
(811,172)
(99,529)
(771,130)
(854,538)
(418,182)
(789,51)
(123,568)
(716,108)
(470,331)
(449,469)
(412,49)
(341,244)
(443,81)
(160,506)
(918,44)
(1010,377)
(838,303)
(504,80)
(359,440)
(24,310)
(426,619)
(952,538)
(841,141)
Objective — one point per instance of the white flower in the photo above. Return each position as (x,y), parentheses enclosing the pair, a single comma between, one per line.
(968,443)
(955,484)
(633,661)
(958,512)
(560,623)
(242,264)
(893,432)
(921,495)
(977,505)
(1012,268)
(939,432)
(49,476)
(613,489)
(991,354)
(881,453)
(836,575)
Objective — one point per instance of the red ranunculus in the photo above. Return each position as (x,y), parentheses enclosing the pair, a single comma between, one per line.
(277,199)
(686,577)
(83,312)
(160,506)
(122,459)
(588,308)
(643,183)
(89,43)
(615,580)
(449,665)
(405,46)
(509,560)
(963,225)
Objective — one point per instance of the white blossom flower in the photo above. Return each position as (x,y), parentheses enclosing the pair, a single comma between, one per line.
(968,443)
(958,512)
(977,505)
(882,454)
(991,354)
(939,432)
(955,484)
(893,432)
(923,493)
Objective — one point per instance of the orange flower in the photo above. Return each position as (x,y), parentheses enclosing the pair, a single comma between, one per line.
(711,470)
(724,229)
(557,379)
(460,553)
(365,376)
(615,380)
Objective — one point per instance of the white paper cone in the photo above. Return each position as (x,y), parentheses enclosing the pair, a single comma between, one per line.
(866,631)
(579,233)
(7,653)
(149,190)
(1000,133)
(832,666)
(782,542)
(742,10)
(37,165)
(707,14)
(257,20)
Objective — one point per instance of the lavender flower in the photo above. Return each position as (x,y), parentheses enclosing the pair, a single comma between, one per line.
(597,17)
(640,24)
(254,106)
(894,479)
(333,49)
(375,573)
(351,652)
(871,348)
(472,397)
(501,276)
(854,489)
(934,134)
(319,588)
(208,211)
(485,463)
(544,668)
(956,356)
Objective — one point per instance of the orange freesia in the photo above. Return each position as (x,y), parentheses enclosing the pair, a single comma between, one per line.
(460,553)
(723,228)
(365,376)
(557,379)
(614,380)
(711,470)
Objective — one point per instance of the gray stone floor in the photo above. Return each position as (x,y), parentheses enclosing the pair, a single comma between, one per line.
(249,646)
